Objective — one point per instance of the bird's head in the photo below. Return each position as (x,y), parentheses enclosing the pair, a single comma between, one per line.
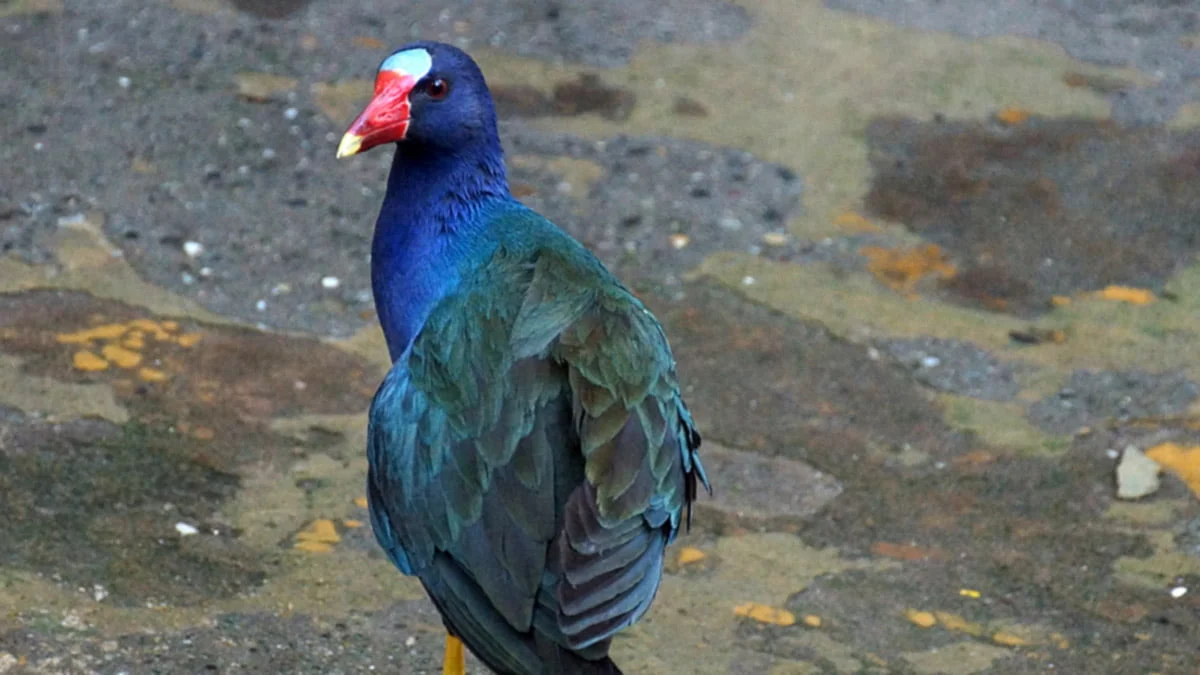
(426,93)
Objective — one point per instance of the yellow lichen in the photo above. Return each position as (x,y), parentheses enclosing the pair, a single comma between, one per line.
(1012,116)
(922,619)
(1008,639)
(106,332)
(1183,461)
(88,361)
(901,269)
(1134,296)
(958,624)
(765,614)
(123,358)
(318,537)
(152,375)
(691,554)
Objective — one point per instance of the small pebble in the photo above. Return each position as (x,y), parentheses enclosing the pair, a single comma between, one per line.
(330,282)
(185,530)
(193,248)
(930,362)
(1179,592)
(187,279)
(749,281)
(206,271)
(775,239)
(123,82)
(261,305)
(410,641)
(679,241)
(268,153)
(730,223)
(291,113)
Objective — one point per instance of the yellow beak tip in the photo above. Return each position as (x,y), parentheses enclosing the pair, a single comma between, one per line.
(350,145)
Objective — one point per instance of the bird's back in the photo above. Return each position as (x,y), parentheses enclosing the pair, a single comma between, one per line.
(530,455)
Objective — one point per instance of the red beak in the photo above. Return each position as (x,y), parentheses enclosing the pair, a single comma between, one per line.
(385,119)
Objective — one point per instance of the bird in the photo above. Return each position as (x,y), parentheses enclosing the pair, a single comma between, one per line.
(530,454)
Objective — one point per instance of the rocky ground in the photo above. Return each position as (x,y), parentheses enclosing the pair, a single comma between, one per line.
(929,270)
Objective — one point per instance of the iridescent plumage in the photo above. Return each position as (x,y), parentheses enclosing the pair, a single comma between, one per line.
(530,453)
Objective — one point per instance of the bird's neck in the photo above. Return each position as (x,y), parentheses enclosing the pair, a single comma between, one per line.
(430,223)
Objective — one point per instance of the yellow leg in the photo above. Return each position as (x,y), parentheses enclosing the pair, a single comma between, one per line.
(453,663)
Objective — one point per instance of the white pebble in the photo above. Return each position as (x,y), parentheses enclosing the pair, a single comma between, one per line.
(330,282)
(268,153)
(124,82)
(730,223)
(185,530)
(261,305)
(930,362)
(291,113)
(749,281)
(193,248)
(410,641)
(206,271)
(1179,592)
(187,278)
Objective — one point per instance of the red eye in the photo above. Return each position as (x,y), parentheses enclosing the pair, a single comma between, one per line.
(438,89)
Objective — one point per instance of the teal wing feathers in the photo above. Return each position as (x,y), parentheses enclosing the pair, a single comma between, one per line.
(531,457)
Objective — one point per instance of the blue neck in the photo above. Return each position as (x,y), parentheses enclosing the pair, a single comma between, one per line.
(433,206)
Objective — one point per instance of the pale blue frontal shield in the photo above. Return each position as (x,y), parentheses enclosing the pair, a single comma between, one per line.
(414,62)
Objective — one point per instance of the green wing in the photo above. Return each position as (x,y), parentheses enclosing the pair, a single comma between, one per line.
(531,457)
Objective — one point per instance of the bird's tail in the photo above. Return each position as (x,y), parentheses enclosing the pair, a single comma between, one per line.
(602,667)
(558,659)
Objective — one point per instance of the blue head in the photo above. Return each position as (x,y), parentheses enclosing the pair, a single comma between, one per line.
(430,95)
(432,102)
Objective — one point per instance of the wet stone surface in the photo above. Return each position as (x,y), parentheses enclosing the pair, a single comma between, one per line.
(694,200)
(1046,208)
(778,386)
(121,490)
(1152,36)
(759,493)
(956,367)
(603,33)
(201,398)
(895,490)
(1090,397)
(248,211)
(393,641)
